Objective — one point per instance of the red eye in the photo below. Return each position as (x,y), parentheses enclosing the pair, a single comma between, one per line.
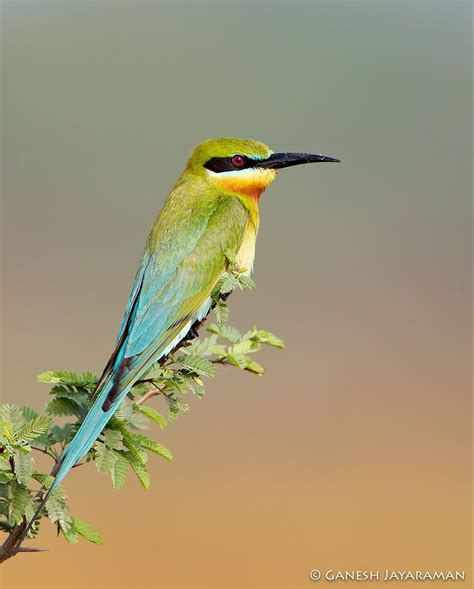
(238,161)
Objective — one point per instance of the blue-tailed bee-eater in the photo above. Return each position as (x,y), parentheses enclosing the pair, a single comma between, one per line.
(211,212)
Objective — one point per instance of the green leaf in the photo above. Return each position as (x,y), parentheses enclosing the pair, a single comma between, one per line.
(57,510)
(207,347)
(174,408)
(226,331)
(86,379)
(23,467)
(152,414)
(254,367)
(86,531)
(245,282)
(44,479)
(63,408)
(104,458)
(71,535)
(221,311)
(119,471)
(196,386)
(21,503)
(155,372)
(139,468)
(265,337)
(245,347)
(133,448)
(239,360)
(245,363)
(11,414)
(77,395)
(179,382)
(6,477)
(28,413)
(198,364)
(228,283)
(6,526)
(152,446)
(137,421)
(112,439)
(62,434)
(7,431)
(33,429)
(122,415)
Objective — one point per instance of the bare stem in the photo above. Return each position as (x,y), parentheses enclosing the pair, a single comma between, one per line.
(148,395)
(50,454)
(221,361)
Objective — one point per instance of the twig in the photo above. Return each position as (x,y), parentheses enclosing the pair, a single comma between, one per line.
(55,458)
(29,549)
(221,361)
(148,395)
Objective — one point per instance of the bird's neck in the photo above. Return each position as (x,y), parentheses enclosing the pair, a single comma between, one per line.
(250,202)
(247,186)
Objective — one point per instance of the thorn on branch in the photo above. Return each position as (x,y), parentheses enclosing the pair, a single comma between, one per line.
(29,549)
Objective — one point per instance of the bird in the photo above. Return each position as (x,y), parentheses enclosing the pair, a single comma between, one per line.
(210,216)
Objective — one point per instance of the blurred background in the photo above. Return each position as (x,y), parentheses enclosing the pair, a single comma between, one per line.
(353,450)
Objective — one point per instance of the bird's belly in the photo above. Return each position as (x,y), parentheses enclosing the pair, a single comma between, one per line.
(200,316)
(244,260)
(246,253)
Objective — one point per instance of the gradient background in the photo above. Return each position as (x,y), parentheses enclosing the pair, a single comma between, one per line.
(353,451)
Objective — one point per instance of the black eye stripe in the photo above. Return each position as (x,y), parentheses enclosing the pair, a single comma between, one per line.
(224,164)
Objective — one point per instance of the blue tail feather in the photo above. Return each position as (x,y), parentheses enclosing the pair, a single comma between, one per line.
(96,419)
(82,442)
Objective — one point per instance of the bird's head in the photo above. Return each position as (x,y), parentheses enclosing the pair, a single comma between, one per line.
(243,166)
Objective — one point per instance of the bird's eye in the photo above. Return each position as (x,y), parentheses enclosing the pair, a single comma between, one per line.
(238,161)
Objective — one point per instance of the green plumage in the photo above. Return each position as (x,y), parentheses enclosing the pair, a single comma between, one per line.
(184,258)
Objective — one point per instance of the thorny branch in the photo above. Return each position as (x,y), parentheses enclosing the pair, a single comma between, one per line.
(12,544)
(15,531)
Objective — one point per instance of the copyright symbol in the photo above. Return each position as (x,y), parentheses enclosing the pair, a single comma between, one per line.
(314,575)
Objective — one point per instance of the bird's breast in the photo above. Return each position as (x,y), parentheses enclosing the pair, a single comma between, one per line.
(246,253)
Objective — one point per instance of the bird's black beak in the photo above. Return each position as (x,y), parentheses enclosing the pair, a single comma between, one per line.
(285,160)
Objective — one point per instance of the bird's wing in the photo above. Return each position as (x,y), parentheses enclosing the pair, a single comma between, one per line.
(180,268)
(184,258)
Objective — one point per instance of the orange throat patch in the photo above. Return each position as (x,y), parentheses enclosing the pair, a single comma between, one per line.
(247,182)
